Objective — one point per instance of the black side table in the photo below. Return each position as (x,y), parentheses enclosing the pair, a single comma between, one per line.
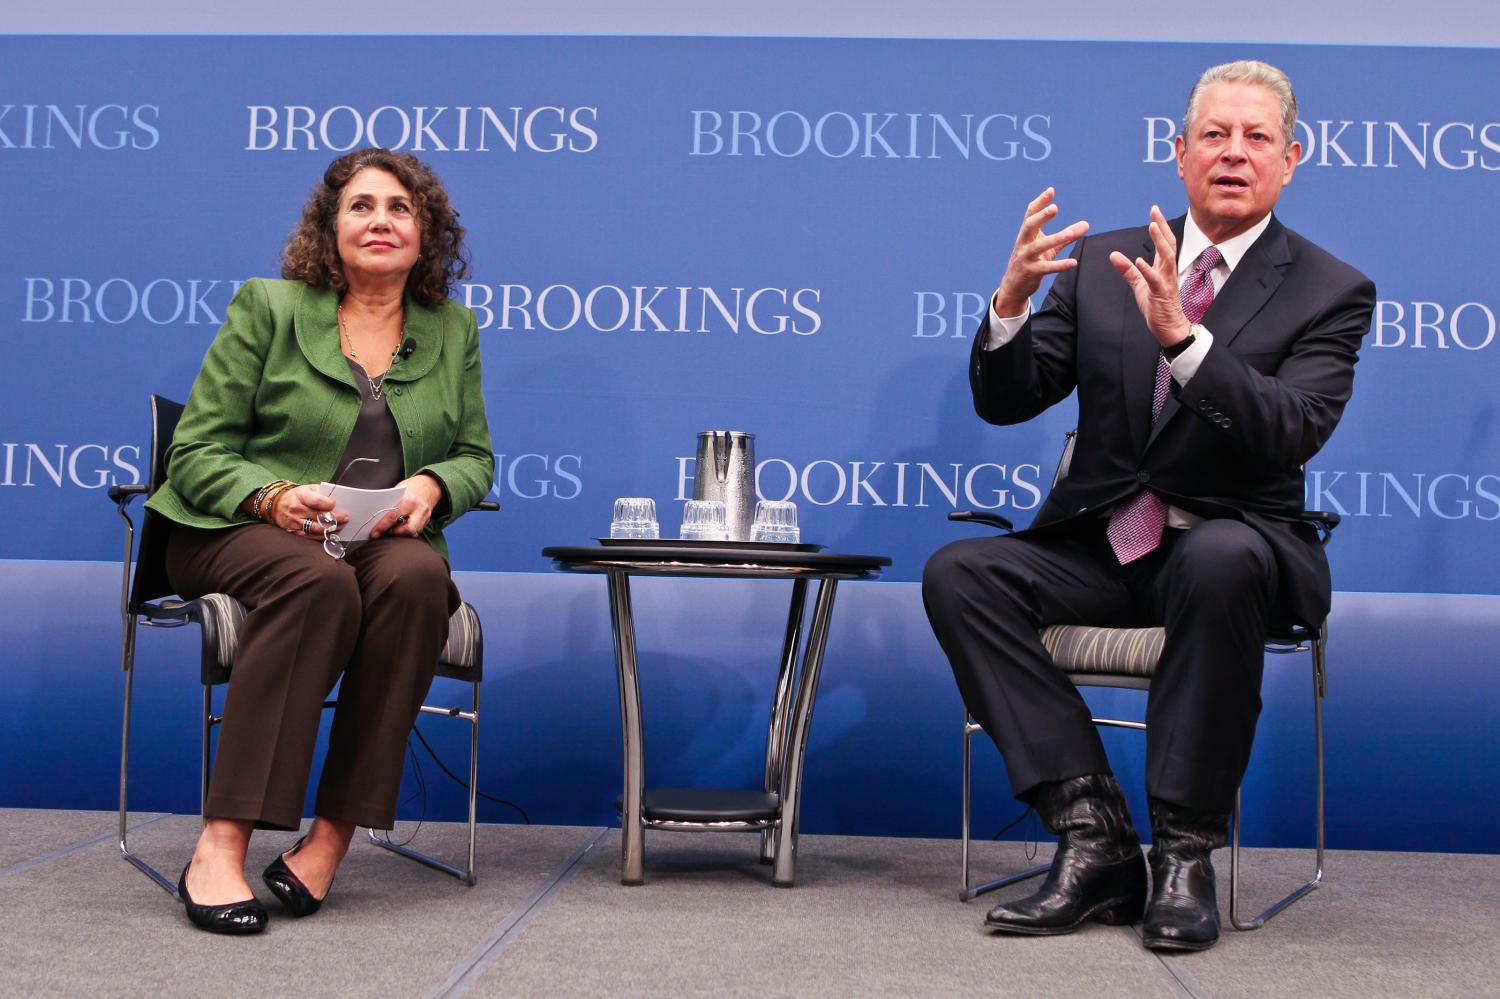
(774,811)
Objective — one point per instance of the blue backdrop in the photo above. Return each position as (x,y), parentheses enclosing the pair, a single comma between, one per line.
(792,237)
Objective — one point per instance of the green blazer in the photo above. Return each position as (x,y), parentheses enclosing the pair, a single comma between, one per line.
(275,400)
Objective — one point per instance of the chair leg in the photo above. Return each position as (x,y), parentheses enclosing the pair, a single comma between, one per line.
(963,851)
(470,879)
(205,766)
(968,894)
(1239,923)
(467,876)
(127,665)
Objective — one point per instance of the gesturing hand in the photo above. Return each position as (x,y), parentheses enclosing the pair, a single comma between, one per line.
(1155,284)
(1035,255)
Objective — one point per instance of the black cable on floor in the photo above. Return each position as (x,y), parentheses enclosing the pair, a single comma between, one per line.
(1031,839)
(420,792)
(464,784)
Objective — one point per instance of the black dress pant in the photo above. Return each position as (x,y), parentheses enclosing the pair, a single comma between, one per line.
(379,617)
(1212,587)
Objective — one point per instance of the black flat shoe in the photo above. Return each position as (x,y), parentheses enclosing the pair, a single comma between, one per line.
(289,888)
(248,916)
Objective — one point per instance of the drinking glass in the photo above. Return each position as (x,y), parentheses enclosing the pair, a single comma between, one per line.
(635,517)
(775,520)
(704,520)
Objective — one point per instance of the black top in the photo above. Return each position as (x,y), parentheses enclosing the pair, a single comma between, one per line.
(375,435)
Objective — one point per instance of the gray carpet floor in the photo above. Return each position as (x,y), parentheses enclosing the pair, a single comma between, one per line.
(868,916)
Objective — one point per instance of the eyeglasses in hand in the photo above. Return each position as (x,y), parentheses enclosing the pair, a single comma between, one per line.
(335,546)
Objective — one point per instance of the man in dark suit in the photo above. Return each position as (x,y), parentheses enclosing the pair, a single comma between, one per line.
(1213,355)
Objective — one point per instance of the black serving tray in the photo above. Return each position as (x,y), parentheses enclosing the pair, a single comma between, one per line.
(764,546)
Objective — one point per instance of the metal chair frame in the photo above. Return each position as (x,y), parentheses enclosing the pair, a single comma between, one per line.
(1298,639)
(1308,642)
(140,608)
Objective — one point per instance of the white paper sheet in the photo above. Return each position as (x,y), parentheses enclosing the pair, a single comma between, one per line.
(364,507)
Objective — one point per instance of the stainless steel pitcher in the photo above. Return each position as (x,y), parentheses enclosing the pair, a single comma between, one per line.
(726,472)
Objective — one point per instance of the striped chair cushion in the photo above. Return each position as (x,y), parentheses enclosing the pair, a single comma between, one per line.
(465,640)
(1077,648)
(223,618)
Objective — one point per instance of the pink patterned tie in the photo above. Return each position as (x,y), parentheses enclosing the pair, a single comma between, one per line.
(1135,526)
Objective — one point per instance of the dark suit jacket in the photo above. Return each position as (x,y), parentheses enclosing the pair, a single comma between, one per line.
(1287,327)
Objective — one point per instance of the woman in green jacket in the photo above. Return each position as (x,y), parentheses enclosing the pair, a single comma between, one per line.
(355,368)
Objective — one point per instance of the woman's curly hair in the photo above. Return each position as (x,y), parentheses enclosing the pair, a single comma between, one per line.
(312,253)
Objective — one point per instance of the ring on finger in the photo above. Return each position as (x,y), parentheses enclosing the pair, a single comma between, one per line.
(402,518)
(307,526)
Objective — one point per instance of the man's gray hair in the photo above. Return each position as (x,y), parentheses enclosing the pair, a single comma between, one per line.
(1253,72)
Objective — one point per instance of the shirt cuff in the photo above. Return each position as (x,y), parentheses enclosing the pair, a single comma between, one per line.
(1185,364)
(1002,329)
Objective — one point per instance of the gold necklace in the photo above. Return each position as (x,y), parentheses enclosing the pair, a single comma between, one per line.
(377,384)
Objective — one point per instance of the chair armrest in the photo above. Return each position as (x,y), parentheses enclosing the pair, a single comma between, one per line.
(123,494)
(1322,521)
(982,517)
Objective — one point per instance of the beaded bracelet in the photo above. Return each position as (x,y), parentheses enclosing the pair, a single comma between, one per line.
(271,505)
(260,497)
(268,514)
(258,503)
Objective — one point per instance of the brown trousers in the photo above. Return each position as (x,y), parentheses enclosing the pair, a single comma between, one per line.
(379,617)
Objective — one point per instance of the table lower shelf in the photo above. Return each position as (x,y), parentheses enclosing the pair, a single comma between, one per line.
(708,806)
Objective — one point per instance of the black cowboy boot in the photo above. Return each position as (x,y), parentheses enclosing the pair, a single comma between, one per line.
(1183,913)
(1097,872)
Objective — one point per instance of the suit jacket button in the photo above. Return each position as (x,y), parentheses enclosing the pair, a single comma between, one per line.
(1203,405)
(1225,422)
(396,390)
(1143,477)
(411,433)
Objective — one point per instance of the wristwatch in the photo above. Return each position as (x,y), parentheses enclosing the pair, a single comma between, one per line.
(1172,352)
